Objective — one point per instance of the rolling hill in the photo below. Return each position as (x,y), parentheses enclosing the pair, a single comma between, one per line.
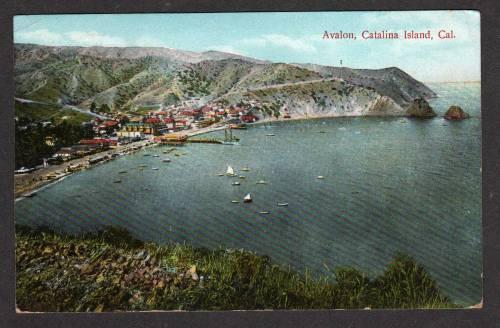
(131,77)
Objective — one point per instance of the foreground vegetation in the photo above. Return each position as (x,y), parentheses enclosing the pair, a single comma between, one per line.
(110,271)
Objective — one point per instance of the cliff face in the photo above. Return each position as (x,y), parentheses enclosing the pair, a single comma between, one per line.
(125,78)
(319,99)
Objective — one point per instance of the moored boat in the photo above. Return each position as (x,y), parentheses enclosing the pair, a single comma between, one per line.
(23,170)
(229,139)
(238,126)
(230,171)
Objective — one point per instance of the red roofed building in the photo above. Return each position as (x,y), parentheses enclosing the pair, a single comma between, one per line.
(235,112)
(110,124)
(206,109)
(104,143)
(249,118)
(153,120)
(188,113)
(107,126)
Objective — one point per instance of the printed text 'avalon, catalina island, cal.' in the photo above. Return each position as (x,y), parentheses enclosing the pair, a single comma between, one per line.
(442,34)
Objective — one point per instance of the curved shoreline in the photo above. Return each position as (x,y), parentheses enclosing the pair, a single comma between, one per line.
(26,184)
(37,180)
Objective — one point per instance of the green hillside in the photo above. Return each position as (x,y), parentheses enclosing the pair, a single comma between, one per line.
(129,78)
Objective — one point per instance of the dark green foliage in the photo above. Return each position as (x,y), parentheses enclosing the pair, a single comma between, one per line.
(406,284)
(30,145)
(352,289)
(111,270)
(104,108)
(171,99)
(30,141)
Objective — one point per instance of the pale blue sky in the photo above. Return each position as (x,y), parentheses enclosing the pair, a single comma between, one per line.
(281,37)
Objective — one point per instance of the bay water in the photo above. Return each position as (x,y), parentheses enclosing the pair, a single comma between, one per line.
(390,185)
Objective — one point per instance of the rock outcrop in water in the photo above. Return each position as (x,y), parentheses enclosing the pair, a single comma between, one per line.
(420,108)
(455,113)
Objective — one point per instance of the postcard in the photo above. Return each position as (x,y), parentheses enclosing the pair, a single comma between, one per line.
(248,161)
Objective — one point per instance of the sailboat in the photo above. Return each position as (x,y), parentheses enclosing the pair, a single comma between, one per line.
(228,138)
(230,171)
(247,198)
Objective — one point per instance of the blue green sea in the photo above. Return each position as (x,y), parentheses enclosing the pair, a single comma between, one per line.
(390,185)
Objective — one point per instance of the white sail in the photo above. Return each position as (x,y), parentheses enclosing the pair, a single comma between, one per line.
(247,197)
(230,171)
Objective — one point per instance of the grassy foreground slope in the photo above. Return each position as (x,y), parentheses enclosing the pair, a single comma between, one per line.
(110,271)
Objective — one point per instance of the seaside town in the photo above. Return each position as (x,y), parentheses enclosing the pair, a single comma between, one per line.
(115,134)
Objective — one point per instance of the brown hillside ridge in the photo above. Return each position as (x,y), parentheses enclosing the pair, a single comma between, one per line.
(420,108)
(455,113)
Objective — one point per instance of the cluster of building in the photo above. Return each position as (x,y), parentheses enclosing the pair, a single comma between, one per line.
(85,147)
(164,121)
(124,128)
